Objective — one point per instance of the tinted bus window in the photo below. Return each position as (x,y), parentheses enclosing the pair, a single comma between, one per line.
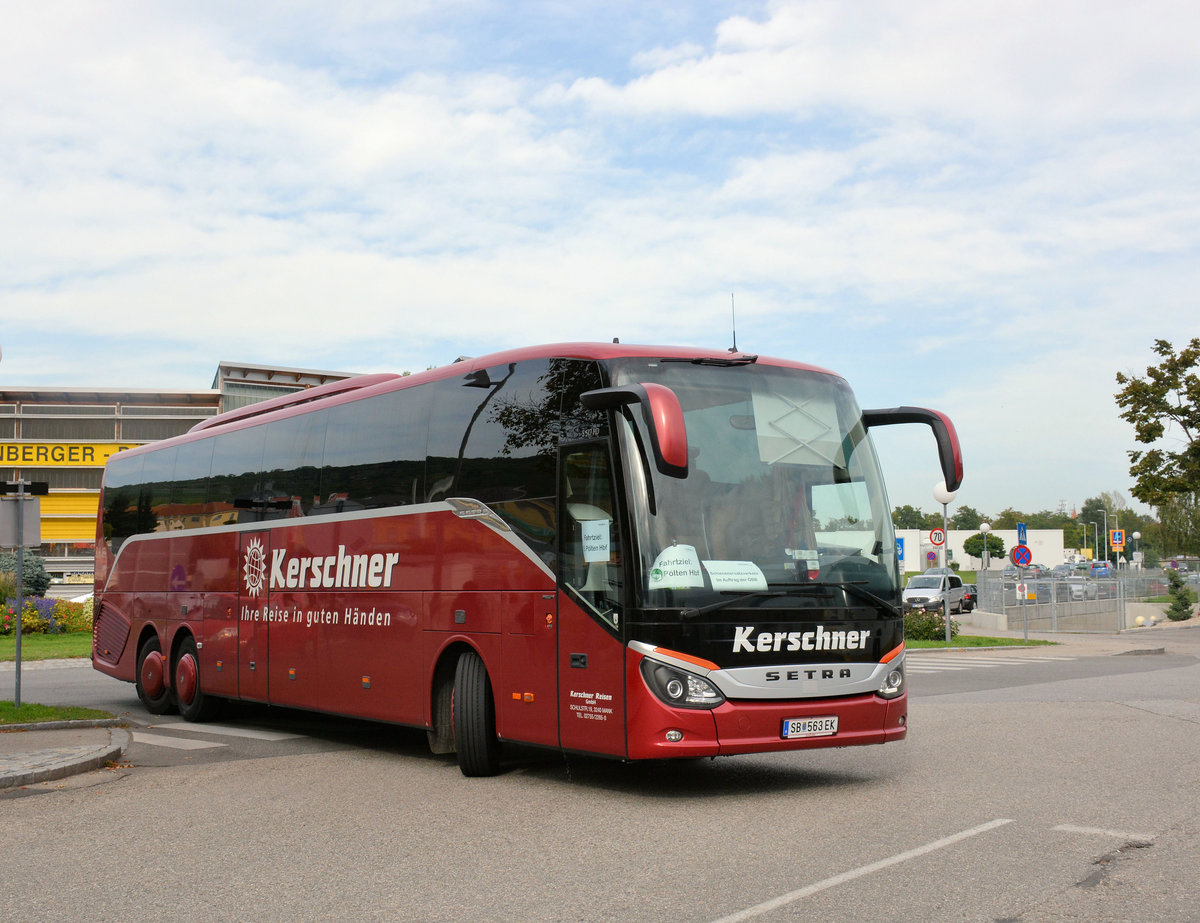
(375,452)
(291,477)
(578,422)
(189,495)
(154,502)
(493,438)
(122,482)
(233,489)
(494,434)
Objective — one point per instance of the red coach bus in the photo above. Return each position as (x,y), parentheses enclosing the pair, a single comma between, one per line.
(628,551)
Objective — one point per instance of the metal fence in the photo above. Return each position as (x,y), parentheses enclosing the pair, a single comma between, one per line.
(1071,604)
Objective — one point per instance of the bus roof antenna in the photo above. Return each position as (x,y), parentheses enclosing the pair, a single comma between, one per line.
(733,323)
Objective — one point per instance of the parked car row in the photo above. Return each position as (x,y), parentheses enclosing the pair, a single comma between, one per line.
(1058,572)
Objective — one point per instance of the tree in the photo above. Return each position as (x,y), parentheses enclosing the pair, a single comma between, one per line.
(1179,522)
(909,517)
(973,545)
(1166,404)
(966,517)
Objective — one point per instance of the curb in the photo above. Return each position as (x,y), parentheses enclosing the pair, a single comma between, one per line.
(66,725)
(52,764)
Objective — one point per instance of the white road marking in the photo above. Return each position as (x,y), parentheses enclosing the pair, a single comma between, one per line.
(800,893)
(1100,831)
(175,743)
(941,663)
(227,730)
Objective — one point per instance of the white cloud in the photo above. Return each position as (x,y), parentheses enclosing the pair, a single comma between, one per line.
(992,187)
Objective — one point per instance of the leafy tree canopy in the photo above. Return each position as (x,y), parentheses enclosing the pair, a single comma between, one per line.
(973,545)
(1166,401)
(966,517)
(909,517)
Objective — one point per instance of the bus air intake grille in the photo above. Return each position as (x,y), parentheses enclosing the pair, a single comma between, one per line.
(111,634)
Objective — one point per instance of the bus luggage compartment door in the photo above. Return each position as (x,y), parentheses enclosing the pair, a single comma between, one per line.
(253,601)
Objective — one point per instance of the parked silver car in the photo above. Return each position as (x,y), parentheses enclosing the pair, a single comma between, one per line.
(1080,588)
(934,591)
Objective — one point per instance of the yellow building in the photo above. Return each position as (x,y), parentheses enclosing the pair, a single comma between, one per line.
(63,436)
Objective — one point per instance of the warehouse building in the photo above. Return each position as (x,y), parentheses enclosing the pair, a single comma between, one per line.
(63,436)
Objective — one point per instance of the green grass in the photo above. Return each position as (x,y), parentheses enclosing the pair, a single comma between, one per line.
(47,647)
(33,714)
(1167,599)
(976,641)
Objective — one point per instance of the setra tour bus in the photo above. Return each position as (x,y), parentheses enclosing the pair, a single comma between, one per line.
(635,552)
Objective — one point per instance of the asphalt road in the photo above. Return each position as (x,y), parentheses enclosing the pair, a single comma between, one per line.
(1033,790)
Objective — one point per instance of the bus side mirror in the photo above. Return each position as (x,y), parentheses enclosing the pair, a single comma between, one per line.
(949,450)
(662,414)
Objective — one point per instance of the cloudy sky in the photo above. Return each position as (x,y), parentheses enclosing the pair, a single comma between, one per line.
(987,207)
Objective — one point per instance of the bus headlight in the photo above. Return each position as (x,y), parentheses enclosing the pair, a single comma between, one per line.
(893,683)
(678,688)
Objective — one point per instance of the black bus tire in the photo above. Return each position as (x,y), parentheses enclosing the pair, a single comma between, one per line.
(473,714)
(156,702)
(200,707)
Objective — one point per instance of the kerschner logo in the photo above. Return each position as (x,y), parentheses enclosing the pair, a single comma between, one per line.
(744,640)
(254,567)
(334,571)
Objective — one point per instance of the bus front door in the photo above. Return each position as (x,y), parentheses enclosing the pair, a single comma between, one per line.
(253,623)
(591,657)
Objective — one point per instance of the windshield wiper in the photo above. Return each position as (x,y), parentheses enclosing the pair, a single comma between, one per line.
(794,589)
(731,601)
(855,588)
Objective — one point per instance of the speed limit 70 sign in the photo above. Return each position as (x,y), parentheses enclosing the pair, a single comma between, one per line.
(937,537)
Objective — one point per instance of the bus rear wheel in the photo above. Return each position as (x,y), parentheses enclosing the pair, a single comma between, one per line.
(194,705)
(152,678)
(473,715)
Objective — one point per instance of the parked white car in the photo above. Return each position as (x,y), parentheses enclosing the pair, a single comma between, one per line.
(1081,588)
(933,591)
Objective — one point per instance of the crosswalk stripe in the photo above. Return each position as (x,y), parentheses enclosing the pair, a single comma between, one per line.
(175,743)
(227,730)
(947,664)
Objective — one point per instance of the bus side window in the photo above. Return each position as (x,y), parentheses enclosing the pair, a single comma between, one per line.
(591,555)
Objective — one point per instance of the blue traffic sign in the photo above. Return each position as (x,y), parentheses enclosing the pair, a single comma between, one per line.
(1022,556)
(1021,534)
(900,550)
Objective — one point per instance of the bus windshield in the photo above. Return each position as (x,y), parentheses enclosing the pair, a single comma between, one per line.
(783,491)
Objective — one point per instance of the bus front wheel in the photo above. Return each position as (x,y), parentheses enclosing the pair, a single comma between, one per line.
(473,714)
(152,678)
(194,704)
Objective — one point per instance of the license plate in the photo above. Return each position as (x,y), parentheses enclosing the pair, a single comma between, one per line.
(825,726)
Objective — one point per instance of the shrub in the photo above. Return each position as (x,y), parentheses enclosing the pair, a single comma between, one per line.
(46,616)
(33,571)
(1180,608)
(32,622)
(36,617)
(73,616)
(8,585)
(927,626)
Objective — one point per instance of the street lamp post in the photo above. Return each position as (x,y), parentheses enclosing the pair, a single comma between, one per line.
(944,496)
(1137,549)
(1105,514)
(984,529)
